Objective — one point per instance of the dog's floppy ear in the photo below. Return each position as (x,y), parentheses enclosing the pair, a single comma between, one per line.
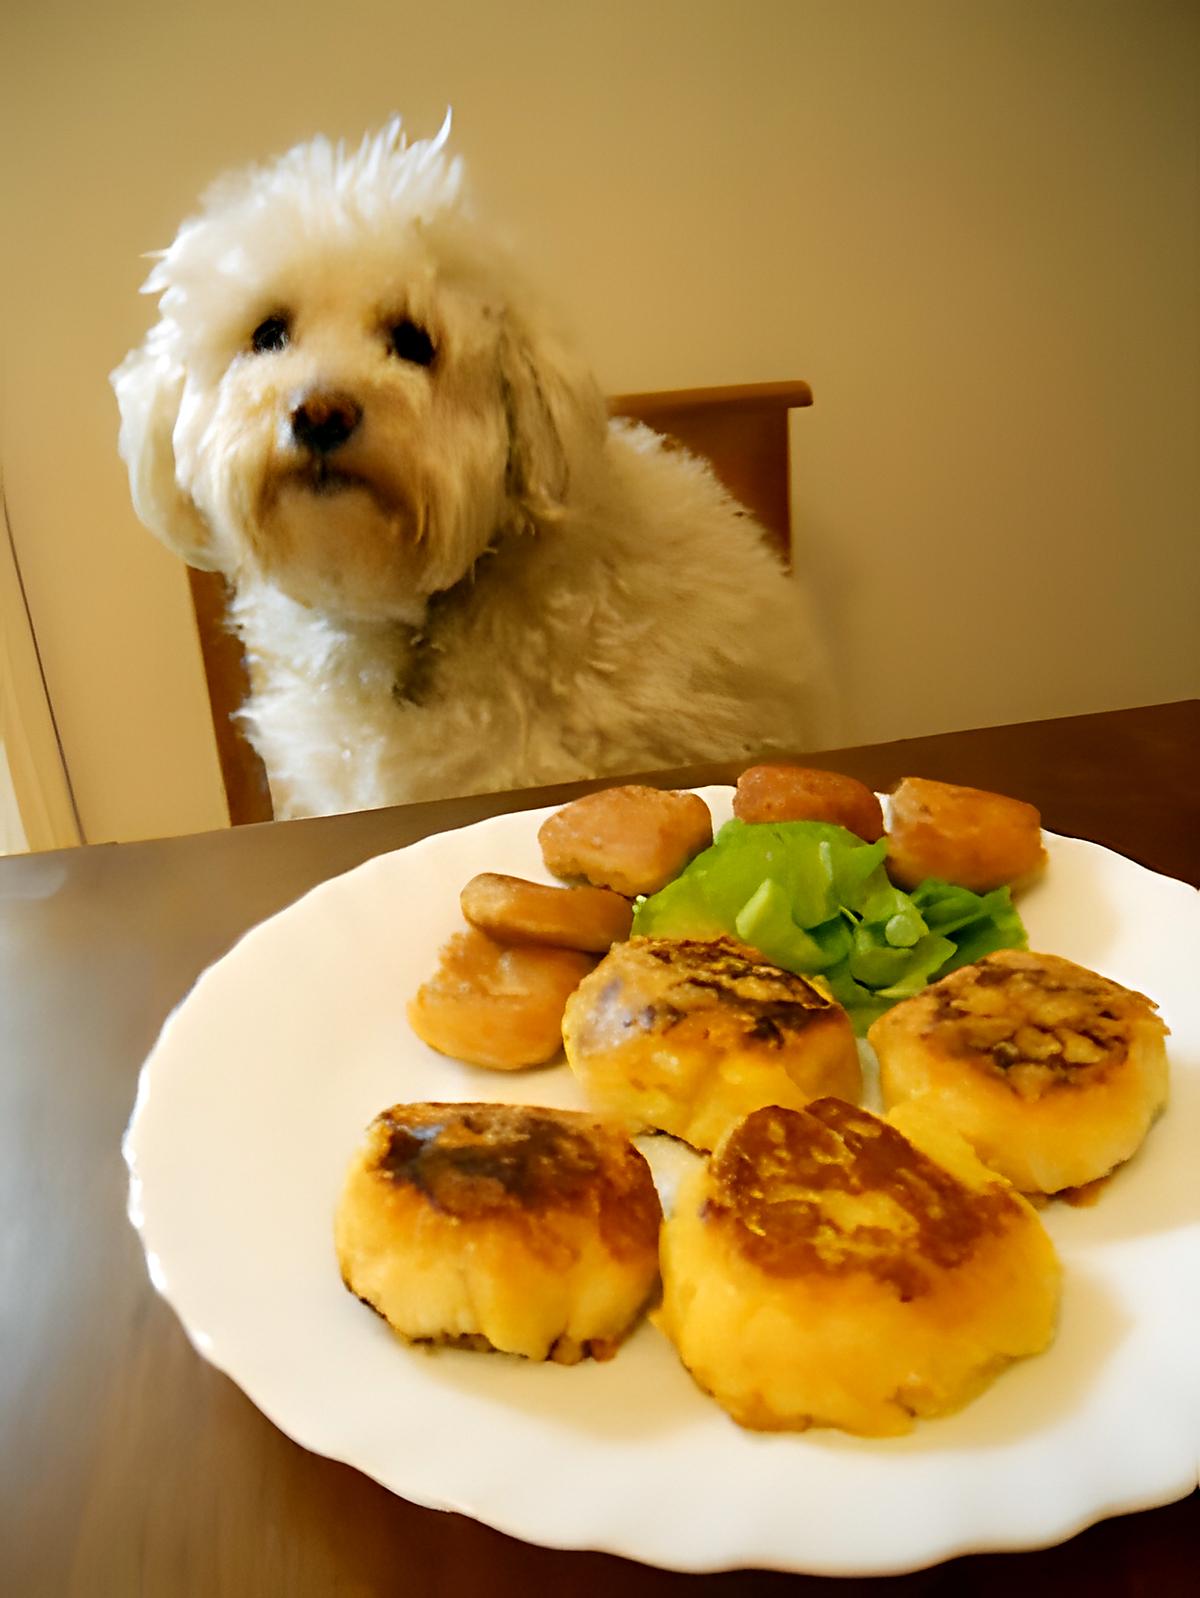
(149,388)
(556,420)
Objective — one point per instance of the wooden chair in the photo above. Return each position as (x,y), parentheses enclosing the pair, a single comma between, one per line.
(742,431)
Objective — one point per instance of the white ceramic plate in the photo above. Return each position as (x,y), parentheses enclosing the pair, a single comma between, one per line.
(258,1092)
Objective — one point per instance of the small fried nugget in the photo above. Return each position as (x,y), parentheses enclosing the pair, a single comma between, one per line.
(829,1268)
(797,793)
(531,1231)
(688,1035)
(632,839)
(976,839)
(512,910)
(1052,1073)
(497,1006)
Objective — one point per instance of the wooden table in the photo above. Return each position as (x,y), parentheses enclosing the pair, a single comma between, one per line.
(127,1464)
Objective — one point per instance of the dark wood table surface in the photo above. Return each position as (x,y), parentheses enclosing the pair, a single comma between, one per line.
(127,1464)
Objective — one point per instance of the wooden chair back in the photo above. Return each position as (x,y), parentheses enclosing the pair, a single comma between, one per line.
(741,431)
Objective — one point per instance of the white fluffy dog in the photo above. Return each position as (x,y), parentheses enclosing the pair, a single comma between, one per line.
(452,574)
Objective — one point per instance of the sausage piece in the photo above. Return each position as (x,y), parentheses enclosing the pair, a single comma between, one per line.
(497,1006)
(968,836)
(512,910)
(633,839)
(798,793)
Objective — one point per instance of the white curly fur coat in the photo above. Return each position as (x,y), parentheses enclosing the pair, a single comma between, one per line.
(483,584)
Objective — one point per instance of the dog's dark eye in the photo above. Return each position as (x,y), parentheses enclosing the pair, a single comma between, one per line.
(273,334)
(411,343)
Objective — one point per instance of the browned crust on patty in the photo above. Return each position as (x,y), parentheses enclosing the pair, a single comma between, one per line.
(1037,1023)
(719,974)
(513,1163)
(806,1192)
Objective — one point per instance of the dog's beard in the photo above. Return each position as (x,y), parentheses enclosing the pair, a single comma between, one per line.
(332,540)
(328,480)
(324,480)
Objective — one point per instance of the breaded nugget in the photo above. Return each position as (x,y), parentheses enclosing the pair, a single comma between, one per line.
(798,793)
(976,839)
(531,1231)
(827,1268)
(497,1006)
(512,910)
(633,839)
(689,1035)
(1052,1073)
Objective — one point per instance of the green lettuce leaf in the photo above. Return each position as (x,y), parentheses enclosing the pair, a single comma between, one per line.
(815,899)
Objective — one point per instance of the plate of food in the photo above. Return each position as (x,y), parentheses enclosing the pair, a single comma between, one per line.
(868,1352)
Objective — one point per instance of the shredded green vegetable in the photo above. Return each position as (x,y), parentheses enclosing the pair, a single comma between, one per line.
(813,898)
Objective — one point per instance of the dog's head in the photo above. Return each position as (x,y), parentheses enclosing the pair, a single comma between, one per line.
(348,392)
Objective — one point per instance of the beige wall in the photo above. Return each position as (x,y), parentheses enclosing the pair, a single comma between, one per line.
(971,225)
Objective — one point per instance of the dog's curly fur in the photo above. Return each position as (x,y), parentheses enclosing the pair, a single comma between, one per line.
(452,574)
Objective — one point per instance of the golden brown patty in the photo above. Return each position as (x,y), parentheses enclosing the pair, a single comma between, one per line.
(688,1035)
(830,1268)
(533,1230)
(1053,1073)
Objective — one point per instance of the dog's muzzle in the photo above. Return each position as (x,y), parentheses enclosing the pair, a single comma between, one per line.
(322,422)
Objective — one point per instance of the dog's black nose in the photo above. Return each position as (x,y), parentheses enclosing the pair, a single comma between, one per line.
(323,422)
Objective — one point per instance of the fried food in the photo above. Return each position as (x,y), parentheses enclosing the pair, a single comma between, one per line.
(828,1268)
(497,1226)
(493,1005)
(512,910)
(964,835)
(1052,1073)
(687,1036)
(796,793)
(633,839)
